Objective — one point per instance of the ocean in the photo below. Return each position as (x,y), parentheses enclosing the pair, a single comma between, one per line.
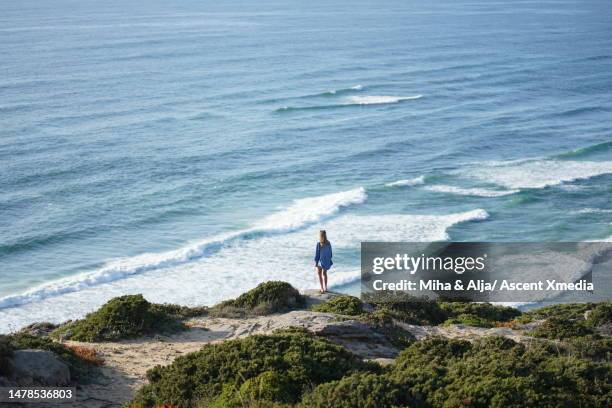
(191,150)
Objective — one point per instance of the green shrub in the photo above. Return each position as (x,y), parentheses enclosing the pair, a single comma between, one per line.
(469,320)
(123,317)
(409,309)
(600,314)
(267,298)
(567,311)
(423,311)
(270,386)
(6,351)
(477,314)
(345,305)
(231,397)
(497,372)
(360,390)
(591,347)
(177,311)
(432,350)
(301,359)
(558,328)
(383,322)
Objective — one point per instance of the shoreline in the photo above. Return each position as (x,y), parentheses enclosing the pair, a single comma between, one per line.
(349,288)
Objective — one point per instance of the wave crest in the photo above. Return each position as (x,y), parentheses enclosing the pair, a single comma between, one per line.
(379,99)
(311,209)
(480,192)
(535,173)
(353,101)
(584,151)
(342,90)
(407,182)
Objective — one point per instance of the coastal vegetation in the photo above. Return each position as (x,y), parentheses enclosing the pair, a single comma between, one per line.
(566,311)
(125,317)
(580,329)
(294,369)
(564,361)
(423,311)
(279,367)
(344,305)
(132,316)
(266,298)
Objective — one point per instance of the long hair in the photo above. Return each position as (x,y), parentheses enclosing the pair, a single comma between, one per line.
(323,234)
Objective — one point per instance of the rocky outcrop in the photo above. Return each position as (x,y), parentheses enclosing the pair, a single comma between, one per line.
(38,367)
(360,338)
(39,329)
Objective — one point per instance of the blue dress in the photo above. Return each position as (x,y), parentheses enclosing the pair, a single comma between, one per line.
(323,255)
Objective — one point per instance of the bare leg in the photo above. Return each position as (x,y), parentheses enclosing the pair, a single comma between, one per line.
(320,273)
(325,278)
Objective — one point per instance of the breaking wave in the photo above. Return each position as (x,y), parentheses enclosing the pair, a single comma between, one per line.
(297,215)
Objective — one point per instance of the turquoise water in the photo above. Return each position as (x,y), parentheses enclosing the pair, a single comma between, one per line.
(188,151)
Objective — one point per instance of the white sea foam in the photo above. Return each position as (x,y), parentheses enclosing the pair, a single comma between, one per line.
(481,192)
(240,264)
(340,279)
(297,215)
(572,187)
(407,182)
(311,209)
(535,173)
(350,101)
(378,99)
(589,210)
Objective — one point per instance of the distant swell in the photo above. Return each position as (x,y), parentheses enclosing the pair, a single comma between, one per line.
(353,101)
(581,111)
(480,192)
(407,182)
(589,210)
(585,151)
(342,91)
(300,213)
(375,100)
(326,94)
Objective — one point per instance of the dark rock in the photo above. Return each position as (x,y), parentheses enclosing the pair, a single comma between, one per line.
(39,367)
(348,329)
(360,338)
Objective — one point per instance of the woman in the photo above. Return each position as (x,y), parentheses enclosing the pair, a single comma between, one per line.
(323,259)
